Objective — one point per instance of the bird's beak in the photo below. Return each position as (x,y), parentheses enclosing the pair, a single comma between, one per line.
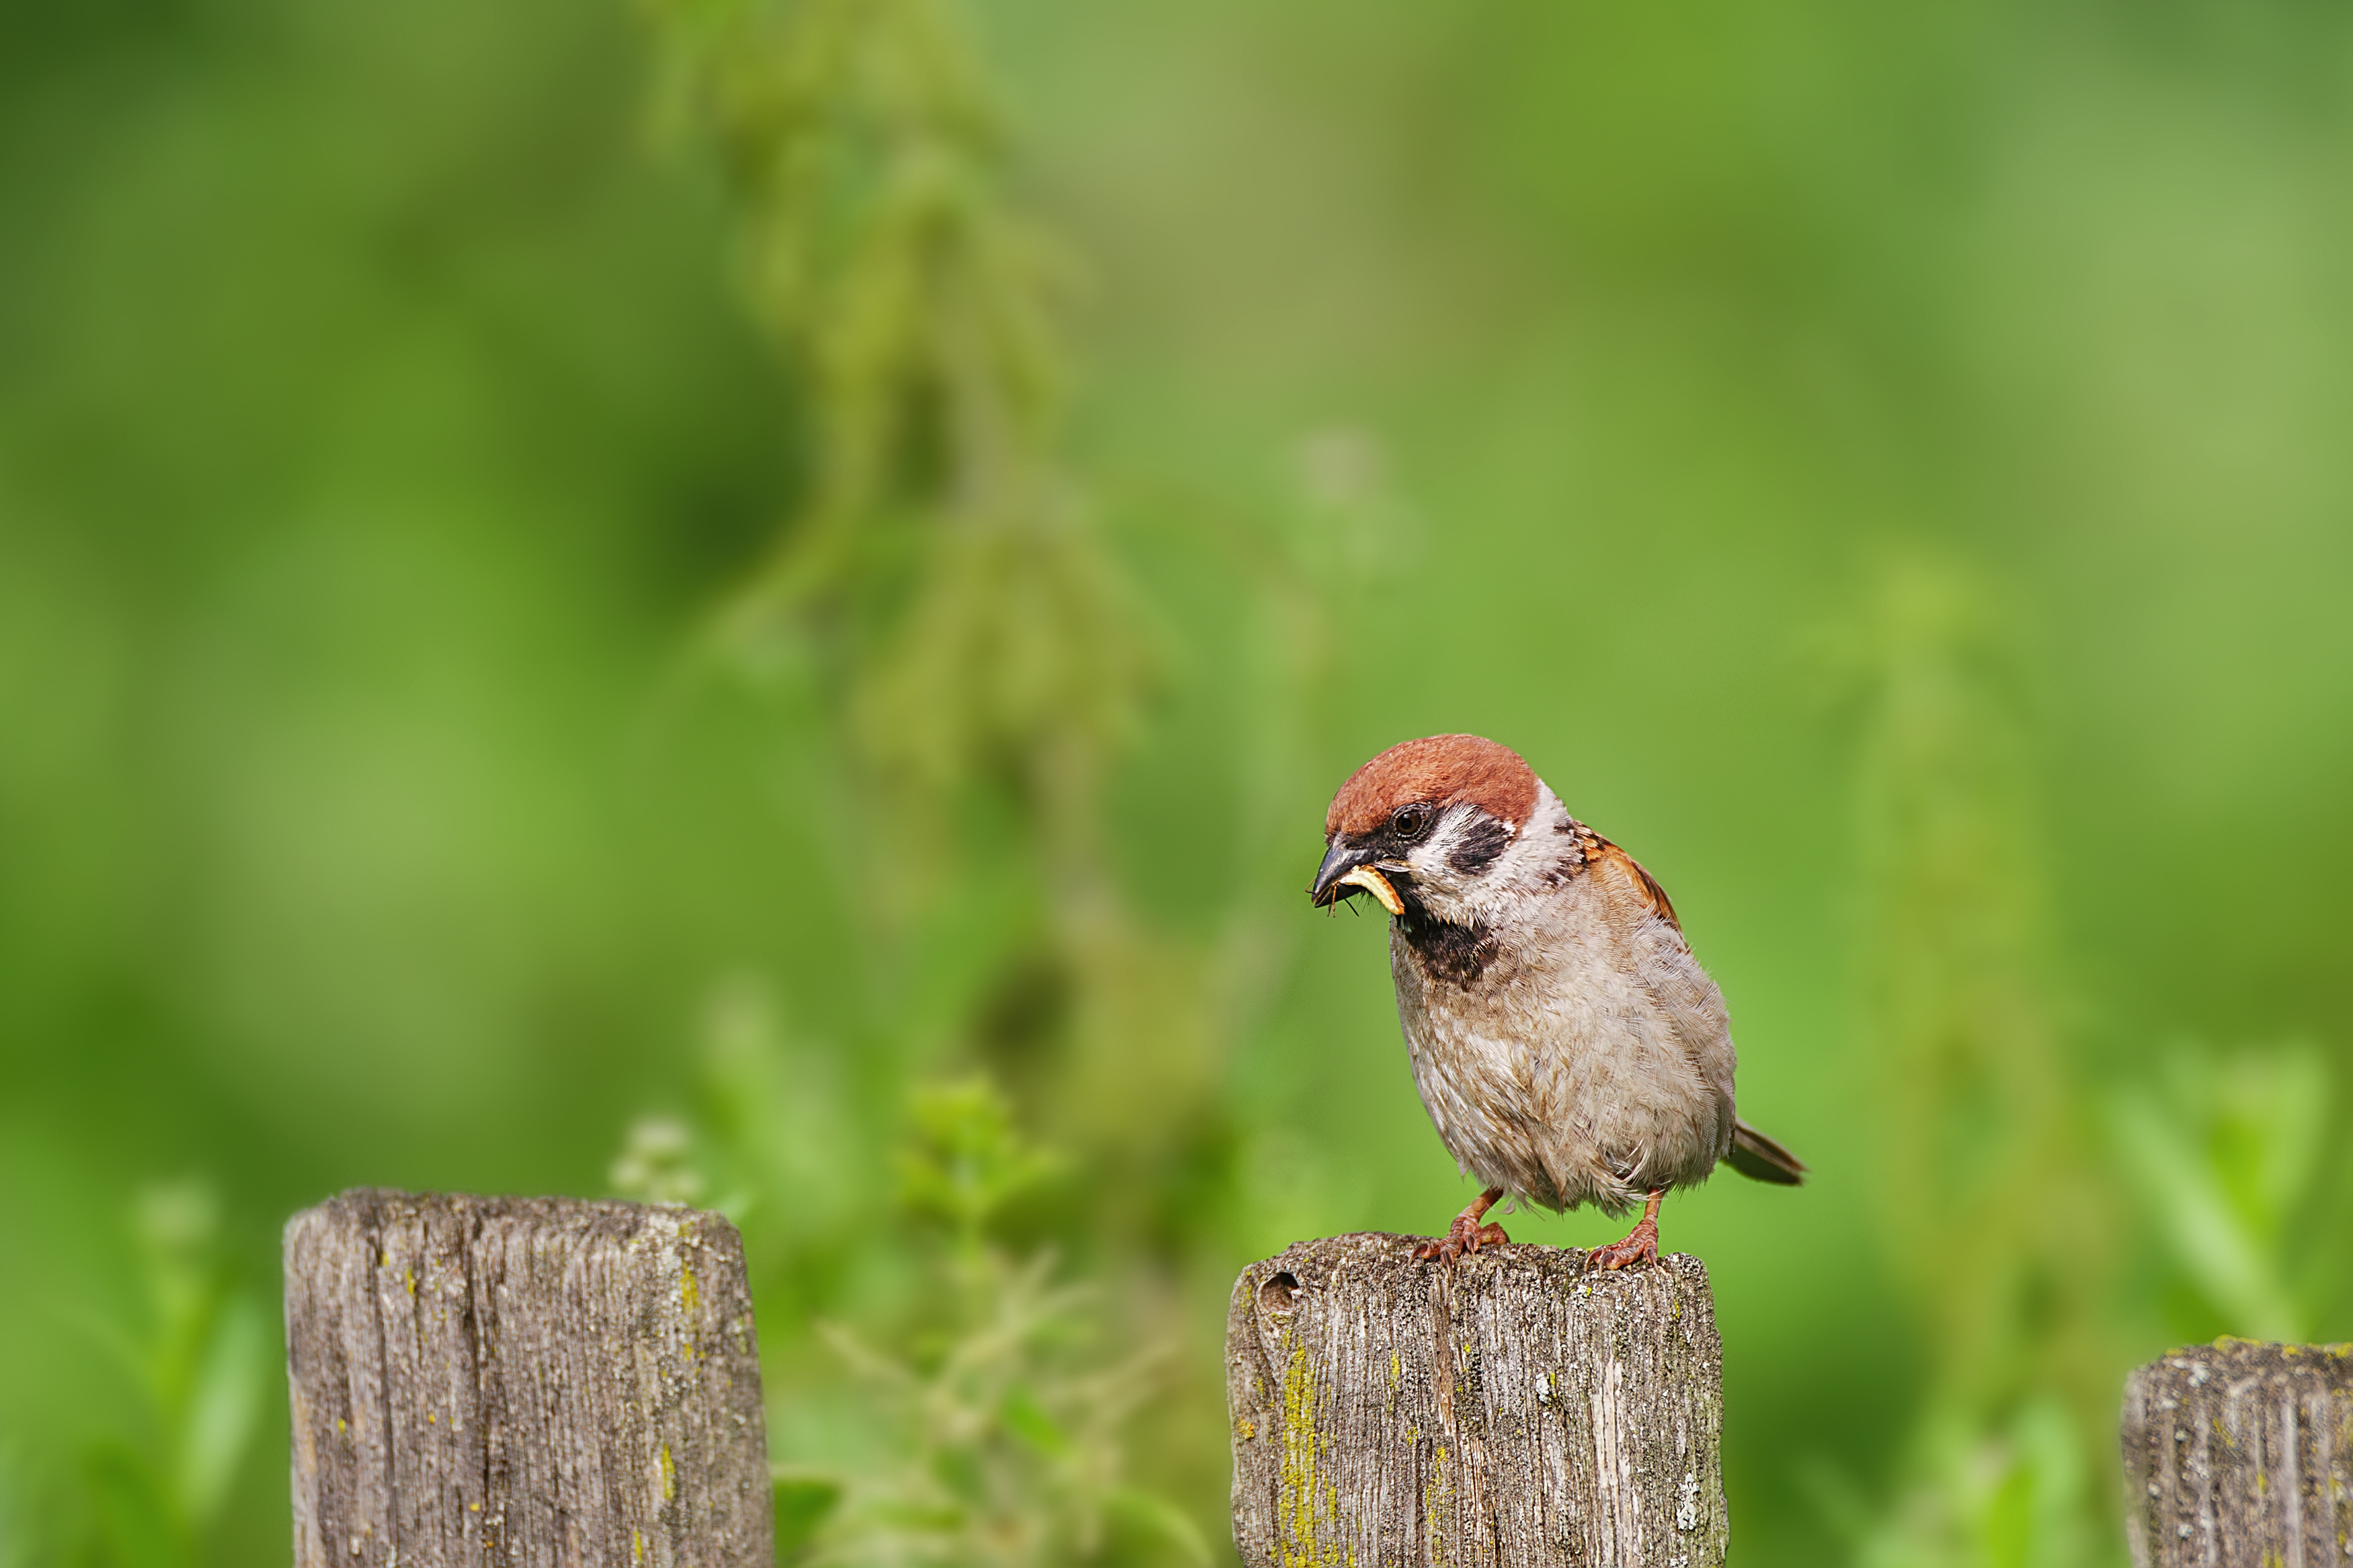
(1344,868)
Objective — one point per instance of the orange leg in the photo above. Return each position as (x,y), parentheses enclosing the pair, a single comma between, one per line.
(1641,1243)
(1466,1234)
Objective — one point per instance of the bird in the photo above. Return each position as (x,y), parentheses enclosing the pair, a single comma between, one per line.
(1566,1044)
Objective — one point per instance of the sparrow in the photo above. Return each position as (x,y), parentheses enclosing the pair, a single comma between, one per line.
(1566,1044)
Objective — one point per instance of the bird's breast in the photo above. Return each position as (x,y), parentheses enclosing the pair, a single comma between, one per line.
(1547,1063)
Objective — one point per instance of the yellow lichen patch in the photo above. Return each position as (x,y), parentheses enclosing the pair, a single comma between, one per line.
(1304,1492)
(636,1546)
(689,1296)
(668,1475)
(1438,1506)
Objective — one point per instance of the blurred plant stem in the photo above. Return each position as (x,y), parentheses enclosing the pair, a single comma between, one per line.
(1993,1211)
(198,1362)
(966,662)
(976,653)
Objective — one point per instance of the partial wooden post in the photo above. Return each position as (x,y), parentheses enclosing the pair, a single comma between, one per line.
(2240,1453)
(1513,1411)
(522,1381)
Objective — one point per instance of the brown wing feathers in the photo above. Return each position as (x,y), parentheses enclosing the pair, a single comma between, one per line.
(1600,849)
(1754,1155)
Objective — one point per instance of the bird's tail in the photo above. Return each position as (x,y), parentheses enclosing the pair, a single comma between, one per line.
(1760,1159)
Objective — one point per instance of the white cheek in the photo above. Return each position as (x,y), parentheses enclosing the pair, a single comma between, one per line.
(1432,859)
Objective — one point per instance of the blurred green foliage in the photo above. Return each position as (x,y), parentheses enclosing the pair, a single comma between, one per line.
(1991,1210)
(2231,1157)
(757,602)
(1007,1452)
(193,1359)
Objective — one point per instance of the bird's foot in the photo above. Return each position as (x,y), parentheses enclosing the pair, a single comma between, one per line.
(1465,1235)
(1641,1246)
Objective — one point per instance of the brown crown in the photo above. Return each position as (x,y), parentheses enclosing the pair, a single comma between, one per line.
(1440,769)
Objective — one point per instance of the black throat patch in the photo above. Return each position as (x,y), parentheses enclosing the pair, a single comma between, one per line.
(1456,954)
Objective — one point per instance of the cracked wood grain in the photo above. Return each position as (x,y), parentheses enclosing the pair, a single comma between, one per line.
(2238,1453)
(1517,1411)
(527,1382)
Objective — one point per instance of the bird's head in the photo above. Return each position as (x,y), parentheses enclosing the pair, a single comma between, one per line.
(1422,825)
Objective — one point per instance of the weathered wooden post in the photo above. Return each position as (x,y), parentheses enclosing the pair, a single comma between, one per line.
(2238,1453)
(522,1381)
(1513,1411)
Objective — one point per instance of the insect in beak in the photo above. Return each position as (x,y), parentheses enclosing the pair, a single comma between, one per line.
(1373,882)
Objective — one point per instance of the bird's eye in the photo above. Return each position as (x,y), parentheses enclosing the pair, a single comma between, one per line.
(1412,822)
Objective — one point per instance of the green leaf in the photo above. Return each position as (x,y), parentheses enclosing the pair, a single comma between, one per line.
(130,1513)
(1154,1516)
(222,1405)
(802,1504)
(1027,1421)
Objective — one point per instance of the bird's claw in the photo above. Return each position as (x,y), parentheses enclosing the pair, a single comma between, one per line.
(1641,1246)
(1465,1235)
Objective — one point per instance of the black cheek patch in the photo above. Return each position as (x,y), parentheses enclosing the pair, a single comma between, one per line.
(1457,954)
(1483,842)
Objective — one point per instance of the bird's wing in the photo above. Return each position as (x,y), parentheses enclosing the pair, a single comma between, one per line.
(1611,861)
(1664,962)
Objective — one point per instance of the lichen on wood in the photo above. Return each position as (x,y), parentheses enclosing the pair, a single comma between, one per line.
(528,1382)
(1512,1410)
(2237,1453)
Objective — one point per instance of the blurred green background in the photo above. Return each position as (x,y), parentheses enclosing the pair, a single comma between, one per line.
(757,601)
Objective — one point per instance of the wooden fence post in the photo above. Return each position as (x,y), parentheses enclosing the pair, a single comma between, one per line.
(1513,1411)
(522,1381)
(2240,1453)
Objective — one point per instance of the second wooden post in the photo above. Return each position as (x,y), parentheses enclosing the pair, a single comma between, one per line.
(533,1381)
(1514,1410)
